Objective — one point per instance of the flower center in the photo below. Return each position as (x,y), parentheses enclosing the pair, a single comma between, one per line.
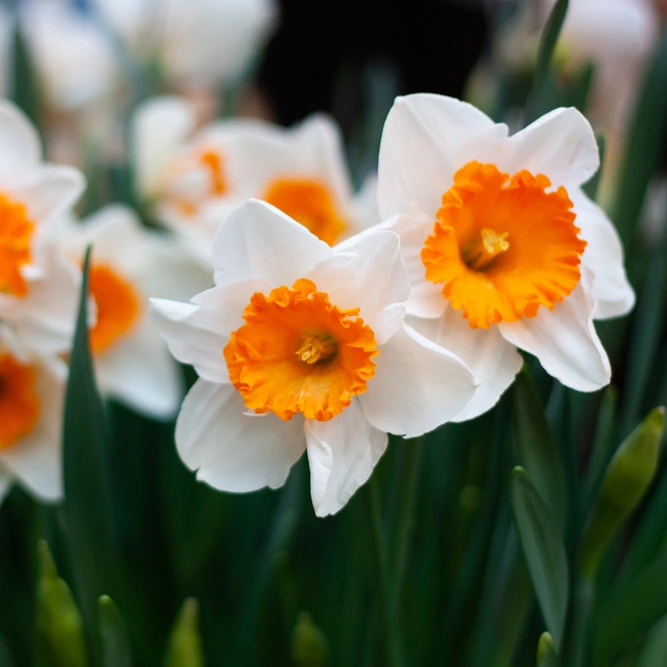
(16,231)
(297,352)
(196,178)
(118,307)
(309,203)
(503,246)
(19,403)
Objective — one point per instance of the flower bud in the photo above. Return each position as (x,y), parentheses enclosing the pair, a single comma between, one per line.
(546,652)
(60,628)
(628,476)
(184,648)
(309,645)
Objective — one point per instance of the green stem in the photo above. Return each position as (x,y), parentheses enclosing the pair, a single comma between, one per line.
(394,644)
(405,523)
(582,609)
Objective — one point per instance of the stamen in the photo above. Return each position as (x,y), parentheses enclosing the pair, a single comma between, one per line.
(480,253)
(316,348)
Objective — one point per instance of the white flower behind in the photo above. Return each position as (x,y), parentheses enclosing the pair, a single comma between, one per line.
(195,179)
(300,346)
(503,248)
(129,265)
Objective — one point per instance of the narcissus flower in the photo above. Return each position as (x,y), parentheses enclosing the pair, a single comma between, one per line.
(32,196)
(130,264)
(195,181)
(502,247)
(32,392)
(301,346)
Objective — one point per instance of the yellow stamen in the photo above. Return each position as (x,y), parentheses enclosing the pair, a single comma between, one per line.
(317,348)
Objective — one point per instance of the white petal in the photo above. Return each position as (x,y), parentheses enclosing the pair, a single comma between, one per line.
(50,191)
(564,340)
(44,320)
(139,371)
(604,257)
(421,134)
(560,144)
(417,385)
(342,453)
(197,333)
(370,275)
(364,206)
(231,450)
(257,241)
(20,146)
(426,299)
(159,127)
(37,458)
(5,483)
(493,361)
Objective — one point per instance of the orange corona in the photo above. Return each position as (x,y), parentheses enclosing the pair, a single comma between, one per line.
(309,203)
(16,230)
(19,403)
(297,352)
(502,247)
(118,307)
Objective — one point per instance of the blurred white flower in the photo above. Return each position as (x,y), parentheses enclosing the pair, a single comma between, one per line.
(503,248)
(197,42)
(32,197)
(195,181)
(73,55)
(32,393)
(301,346)
(615,35)
(130,264)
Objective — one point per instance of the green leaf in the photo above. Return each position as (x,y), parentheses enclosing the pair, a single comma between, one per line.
(654,653)
(85,445)
(184,648)
(544,55)
(645,138)
(630,610)
(546,652)
(113,635)
(59,624)
(537,450)
(628,476)
(544,552)
(25,81)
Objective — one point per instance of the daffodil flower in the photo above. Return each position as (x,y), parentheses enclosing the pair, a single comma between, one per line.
(196,180)
(502,247)
(129,265)
(301,346)
(32,393)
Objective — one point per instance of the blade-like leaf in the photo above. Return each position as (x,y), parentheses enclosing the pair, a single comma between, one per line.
(547,45)
(85,445)
(538,451)
(544,552)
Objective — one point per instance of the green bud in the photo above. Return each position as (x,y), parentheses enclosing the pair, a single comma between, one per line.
(309,645)
(113,635)
(628,476)
(546,652)
(184,649)
(59,624)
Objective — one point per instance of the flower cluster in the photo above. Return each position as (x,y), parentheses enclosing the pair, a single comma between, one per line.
(316,320)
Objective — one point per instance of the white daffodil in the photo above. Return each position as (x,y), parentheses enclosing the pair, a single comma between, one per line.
(38,289)
(32,394)
(129,265)
(502,247)
(196,42)
(32,196)
(194,182)
(301,346)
